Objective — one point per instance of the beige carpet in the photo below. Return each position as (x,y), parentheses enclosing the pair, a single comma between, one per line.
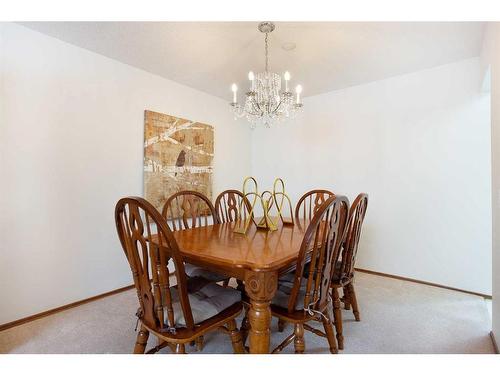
(397,317)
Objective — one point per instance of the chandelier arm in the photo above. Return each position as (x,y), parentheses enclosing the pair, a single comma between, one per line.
(278,106)
(255,112)
(256,104)
(253,103)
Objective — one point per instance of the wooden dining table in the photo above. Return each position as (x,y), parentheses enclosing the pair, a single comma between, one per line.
(257,258)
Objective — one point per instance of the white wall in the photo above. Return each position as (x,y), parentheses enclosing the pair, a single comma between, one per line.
(490,58)
(71,131)
(419,145)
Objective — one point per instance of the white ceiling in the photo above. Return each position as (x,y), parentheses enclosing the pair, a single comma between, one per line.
(209,56)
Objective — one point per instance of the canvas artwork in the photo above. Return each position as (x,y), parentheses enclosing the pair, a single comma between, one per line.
(178,155)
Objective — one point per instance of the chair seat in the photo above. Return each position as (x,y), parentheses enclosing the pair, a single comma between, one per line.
(207,302)
(285,286)
(290,275)
(340,279)
(197,271)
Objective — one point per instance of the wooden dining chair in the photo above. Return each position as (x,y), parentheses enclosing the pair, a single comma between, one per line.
(310,202)
(305,209)
(227,209)
(190,209)
(227,206)
(343,276)
(170,312)
(300,298)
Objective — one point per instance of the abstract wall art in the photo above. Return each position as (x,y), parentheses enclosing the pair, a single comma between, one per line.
(178,155)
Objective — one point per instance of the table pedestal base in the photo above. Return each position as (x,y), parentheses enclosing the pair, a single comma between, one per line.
(260,288)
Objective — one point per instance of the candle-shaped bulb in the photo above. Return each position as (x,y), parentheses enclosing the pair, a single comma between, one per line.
(287,78)
(234,89)
(298,90)
(251,78)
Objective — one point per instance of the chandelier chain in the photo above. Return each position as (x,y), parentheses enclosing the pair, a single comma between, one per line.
(267,54)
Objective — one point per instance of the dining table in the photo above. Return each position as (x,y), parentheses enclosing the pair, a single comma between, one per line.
(257,258)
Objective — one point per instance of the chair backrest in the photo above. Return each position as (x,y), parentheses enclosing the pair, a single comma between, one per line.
(188,209)
(227,206)
(310,202)
(137,222)
(321,245)
(355,220)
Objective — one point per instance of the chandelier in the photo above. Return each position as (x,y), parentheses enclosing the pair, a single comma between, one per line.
(266,103)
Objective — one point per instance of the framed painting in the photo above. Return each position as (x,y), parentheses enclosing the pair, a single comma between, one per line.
(178,155)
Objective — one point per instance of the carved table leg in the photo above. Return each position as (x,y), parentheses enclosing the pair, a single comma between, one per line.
(260,322)
(260,288)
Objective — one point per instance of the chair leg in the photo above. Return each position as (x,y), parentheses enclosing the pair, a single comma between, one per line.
(245,327)
(354,302)
(180,349)
(281,325)
(142,340)
(240,286)
(298,341)
(337,313)
(330,335)
(284,344)
(235,337)
(199,343)
(347,298)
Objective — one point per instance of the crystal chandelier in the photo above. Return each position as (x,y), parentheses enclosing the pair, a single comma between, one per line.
(266,103)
